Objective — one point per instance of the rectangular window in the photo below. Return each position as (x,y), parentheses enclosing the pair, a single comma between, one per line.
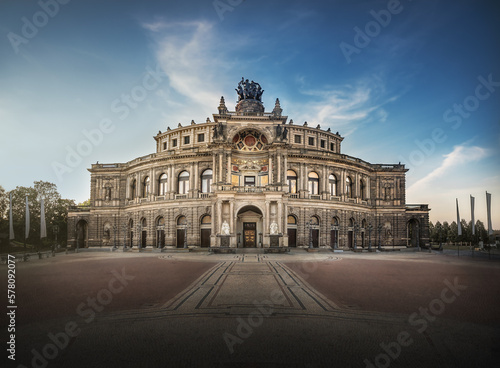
(174,142)
(164,146)
(332,147)
(298,139)
(323,143)
(201,138)
(186,140)
(250,180)
(311,141)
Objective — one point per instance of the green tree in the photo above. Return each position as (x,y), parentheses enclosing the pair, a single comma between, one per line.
(85,203)
(56,212)
(446,231)
(453,232)
(481,232)
(466,231)
(438,231)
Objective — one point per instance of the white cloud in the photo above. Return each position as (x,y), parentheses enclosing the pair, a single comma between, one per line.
(460,156)
(346,107)
(195,67)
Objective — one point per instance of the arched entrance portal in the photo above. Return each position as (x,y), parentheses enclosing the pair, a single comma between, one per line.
(205,231)
(413,233)
(81,234)
(249,225)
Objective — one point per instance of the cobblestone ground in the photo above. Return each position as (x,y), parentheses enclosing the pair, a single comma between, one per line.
(256,310)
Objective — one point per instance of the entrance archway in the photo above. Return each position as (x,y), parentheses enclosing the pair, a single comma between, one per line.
(205,231)
(181,231)
(292,231)
(413,233)
(82,234)
(249,225)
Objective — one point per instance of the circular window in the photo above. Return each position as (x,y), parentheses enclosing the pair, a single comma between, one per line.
(249,140)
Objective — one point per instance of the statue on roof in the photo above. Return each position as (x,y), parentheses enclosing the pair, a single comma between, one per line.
(249,90)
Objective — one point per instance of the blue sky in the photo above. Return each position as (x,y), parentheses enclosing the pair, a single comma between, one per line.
(416,82)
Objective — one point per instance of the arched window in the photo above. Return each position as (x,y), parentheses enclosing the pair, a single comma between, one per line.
(291,220)
(351,222)
(335,221)
(162,184)
(146,187)
(206,181)
(206,220)
(183,182)
(332,182)
(291,178)
(313,181)
(133,186)
(314,221)
(348,187)
(181,220)
(362,189)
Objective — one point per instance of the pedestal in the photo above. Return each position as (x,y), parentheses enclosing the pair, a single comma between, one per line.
(274,240)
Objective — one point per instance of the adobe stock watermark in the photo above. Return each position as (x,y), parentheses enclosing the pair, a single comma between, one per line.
(392,350)
(122,107)
(247,326)
(253,321)
(31,26)
(87,310)
(224,6)
(456,115)
(373,28)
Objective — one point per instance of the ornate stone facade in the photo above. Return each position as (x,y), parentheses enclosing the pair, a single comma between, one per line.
(248,179)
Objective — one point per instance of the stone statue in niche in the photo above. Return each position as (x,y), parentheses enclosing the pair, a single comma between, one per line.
(274,228)
(107,194)
(285,133)
(225,230)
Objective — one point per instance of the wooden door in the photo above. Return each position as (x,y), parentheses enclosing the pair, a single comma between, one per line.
(292,237)
(249,234)
(205,237)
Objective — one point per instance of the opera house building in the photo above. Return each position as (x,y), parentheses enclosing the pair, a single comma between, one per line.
(248,178)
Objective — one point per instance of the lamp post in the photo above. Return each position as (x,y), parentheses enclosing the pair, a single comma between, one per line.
(370,227)
(418,237)
(77,240)
(139,237)
(56,231)
(185,233)
(125,227)
(379,228)
(356,229)
(114,236)
(309,226)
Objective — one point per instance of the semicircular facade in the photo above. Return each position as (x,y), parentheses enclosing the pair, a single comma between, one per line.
(248,178)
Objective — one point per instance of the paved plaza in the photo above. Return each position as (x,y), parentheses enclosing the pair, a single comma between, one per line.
(96,309)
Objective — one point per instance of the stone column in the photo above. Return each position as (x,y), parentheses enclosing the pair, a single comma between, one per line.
(278,158)
(280,217)
(270,169)
(219,216)
(228,176)
(266,222)
(154,183)
(215,171)
(138,185)
(231,224)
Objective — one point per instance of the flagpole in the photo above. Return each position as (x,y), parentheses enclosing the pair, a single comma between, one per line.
(459,227)
(26,223)
(11,222)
